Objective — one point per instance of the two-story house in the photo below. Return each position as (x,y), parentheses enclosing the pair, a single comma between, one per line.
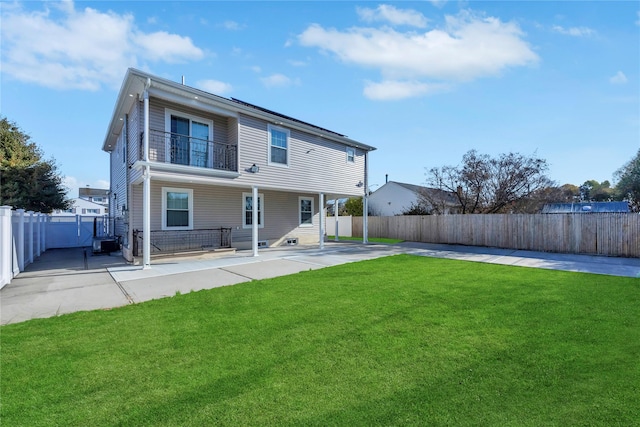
(95,195)
(192,170)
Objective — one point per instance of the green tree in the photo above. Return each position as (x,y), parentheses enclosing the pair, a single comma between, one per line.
(628,183)
(594,191)
(353,206)
(26,180)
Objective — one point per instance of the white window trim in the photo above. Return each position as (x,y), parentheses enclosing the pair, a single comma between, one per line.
(300,224)
(260,212)
(353,150)
(280,129)
(168,112)
(166,190)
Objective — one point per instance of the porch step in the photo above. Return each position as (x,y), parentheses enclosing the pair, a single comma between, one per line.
(200,254)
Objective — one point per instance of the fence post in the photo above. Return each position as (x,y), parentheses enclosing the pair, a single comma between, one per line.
(43,233)
(20,239)
(38,227)
(5,245)
(30,242)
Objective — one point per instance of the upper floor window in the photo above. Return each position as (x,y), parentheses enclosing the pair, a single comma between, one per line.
(98,199)
(278,145)
(177,209)
(351,154)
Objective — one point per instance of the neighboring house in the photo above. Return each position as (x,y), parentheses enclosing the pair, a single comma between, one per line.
(394,198)
(187,166)
(585,207)
(96,195)
(83,207)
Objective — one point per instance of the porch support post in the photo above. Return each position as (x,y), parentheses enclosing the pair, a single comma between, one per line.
(146,190)
(254,219)
(365,201)
(322,218)
(335,214)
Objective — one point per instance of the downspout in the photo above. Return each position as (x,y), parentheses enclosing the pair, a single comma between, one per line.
(146,191)
(365,201)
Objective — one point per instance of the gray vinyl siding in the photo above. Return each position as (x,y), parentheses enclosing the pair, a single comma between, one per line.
(316,164)
(118,185)
(216,206)
(136,125)
(220,124)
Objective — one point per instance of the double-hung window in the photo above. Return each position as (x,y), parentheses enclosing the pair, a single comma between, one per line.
(247,210)
(305,211)
(177,209)
(190,140)
(351,155)
(278,145)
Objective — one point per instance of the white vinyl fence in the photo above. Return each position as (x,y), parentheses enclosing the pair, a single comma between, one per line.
(344,225)
(25,235)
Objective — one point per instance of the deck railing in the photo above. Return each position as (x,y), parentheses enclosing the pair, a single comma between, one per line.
(167,147)
(169,241)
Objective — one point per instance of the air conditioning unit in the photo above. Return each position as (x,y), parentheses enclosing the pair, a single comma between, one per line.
(105,245)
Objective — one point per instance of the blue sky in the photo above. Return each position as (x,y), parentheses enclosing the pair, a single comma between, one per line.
(424,82)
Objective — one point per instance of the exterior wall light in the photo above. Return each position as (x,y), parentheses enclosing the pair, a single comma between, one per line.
(253,169)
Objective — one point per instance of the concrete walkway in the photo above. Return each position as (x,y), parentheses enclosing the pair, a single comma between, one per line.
(69,280)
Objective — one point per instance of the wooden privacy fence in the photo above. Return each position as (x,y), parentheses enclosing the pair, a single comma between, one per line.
(611,234)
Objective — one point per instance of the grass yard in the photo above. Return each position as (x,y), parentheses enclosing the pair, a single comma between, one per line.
(371,239)
(402,340)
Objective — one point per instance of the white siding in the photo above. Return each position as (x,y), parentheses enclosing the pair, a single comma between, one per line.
(391,199)
(315,163)
(216,206)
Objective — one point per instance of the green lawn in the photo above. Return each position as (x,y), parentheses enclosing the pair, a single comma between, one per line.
(402,340)
(371,239)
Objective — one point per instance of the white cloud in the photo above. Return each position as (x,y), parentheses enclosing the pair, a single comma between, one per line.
(232,26)
(65,48)
(638,21)
(387,13)
(394,90)
(468,47)
(618,79)
(574,31)
(297,63)
(162,46)
(278,80)
(214,86)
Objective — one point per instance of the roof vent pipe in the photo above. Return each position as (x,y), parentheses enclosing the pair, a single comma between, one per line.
(386,178)
(182,80)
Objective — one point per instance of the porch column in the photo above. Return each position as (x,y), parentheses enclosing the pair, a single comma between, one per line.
(365,201)
(146,190)
(322,218)
(335,215)
(254,219)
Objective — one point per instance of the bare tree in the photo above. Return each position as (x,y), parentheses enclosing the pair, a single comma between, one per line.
(483,184)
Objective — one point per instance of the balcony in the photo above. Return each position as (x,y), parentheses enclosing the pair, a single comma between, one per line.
(172,148)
